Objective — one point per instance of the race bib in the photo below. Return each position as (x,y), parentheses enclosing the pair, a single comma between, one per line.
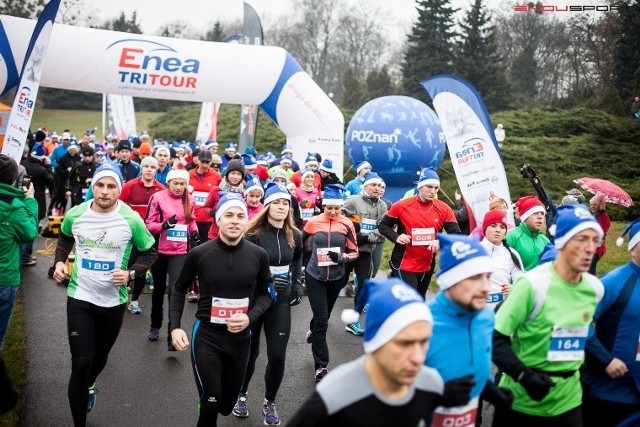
(199,197)
(97,265)
(223,308)
(178,233)
(306,213)
(422,236)
(368,225)
(458,416)
(495,297)
(567,343)
(323,257)
(280,271)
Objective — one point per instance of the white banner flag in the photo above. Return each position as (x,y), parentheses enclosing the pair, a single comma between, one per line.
(122,115)
(208,123)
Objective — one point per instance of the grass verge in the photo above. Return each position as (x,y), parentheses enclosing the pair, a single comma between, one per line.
(14,355)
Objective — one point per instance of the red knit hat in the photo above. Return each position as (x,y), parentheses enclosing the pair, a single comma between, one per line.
(494,216)
(528,205)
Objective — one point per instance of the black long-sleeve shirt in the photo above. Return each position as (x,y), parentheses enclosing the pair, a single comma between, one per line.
(224,273)
(274,242)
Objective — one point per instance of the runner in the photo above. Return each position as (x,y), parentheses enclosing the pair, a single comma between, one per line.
(273,230)
(418,219)
(104,231)
(389,385)
(541,329)
(234,292)
(171,217)
(460,349)
(369,209)
(331,239)
(136,193)
(612,371)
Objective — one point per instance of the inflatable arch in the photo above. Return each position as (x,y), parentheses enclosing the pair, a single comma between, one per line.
(101,61)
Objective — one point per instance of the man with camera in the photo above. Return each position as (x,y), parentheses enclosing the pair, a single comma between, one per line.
(19,216)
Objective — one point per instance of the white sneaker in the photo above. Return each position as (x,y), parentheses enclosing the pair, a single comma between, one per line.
(134,308)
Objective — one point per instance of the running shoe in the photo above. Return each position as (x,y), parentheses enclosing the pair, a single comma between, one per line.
(355,329)
(154,334)
(271,417)
(308,337)
(192,296)
(28,263)
(134,308)
(93,396)
(321,372)
(240,409)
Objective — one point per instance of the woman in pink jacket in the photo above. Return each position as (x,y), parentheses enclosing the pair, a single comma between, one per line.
(171,219)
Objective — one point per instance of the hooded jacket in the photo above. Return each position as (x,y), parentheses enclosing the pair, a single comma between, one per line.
(19,220)
(162,206)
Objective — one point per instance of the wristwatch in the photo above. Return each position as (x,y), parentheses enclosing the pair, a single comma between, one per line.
(132,274)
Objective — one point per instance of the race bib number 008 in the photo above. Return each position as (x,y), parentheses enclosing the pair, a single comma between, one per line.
(323,256)
(422,236)
(459,416)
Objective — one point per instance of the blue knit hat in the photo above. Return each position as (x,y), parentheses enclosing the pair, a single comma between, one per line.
(108,169)
(38,151)
(428,176)
(327,165)
(230,146)
(251,150)
(361,165)
(633,229)
(253,183)
(286,149)
(230,200)
(333,195)
(248,161)
(372,178)
(393,305)
(571,220)
(311,160)
(275,192)
(461,257)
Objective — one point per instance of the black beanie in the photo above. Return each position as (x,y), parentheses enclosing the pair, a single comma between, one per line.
(234,165)
(40,136)
(8,169)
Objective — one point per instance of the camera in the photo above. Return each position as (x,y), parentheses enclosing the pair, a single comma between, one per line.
(26,180)
(528,172)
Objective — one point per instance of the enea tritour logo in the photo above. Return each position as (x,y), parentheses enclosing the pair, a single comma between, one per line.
(472,150)
(145,63)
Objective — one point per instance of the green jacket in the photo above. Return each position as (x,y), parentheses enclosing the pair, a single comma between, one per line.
(18,225)
(527,244)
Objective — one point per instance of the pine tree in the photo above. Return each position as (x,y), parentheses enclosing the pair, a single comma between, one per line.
(626,72)
(523,75)
(215,34)
(379,83)
(478,60)
(354,93)
(431,46)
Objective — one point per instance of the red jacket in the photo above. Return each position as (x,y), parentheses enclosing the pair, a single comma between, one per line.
(136,195)
(202,185)
(296,178)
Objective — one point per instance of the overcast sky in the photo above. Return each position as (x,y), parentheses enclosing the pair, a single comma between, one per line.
(398,14)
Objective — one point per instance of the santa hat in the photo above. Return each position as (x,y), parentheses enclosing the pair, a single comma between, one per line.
(495,216)
(529,205)
(229,200)
(275,192)
(428,176)
(393,305)
(178,174)
(38,151)
(286,160)
(333,195)
(633,230)
(108,169)
(362,165)
(461,257)
(327,166)
(571,220)
(253,183)
(311,160)
(248,161)
(372,178)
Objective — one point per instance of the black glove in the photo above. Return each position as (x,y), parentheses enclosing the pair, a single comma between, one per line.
(457,391)
(170,223)
(335,257)
(195,238)
(295,297)
(536,384)
(500,397)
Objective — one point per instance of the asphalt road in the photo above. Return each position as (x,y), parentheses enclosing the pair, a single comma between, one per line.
(143,384)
